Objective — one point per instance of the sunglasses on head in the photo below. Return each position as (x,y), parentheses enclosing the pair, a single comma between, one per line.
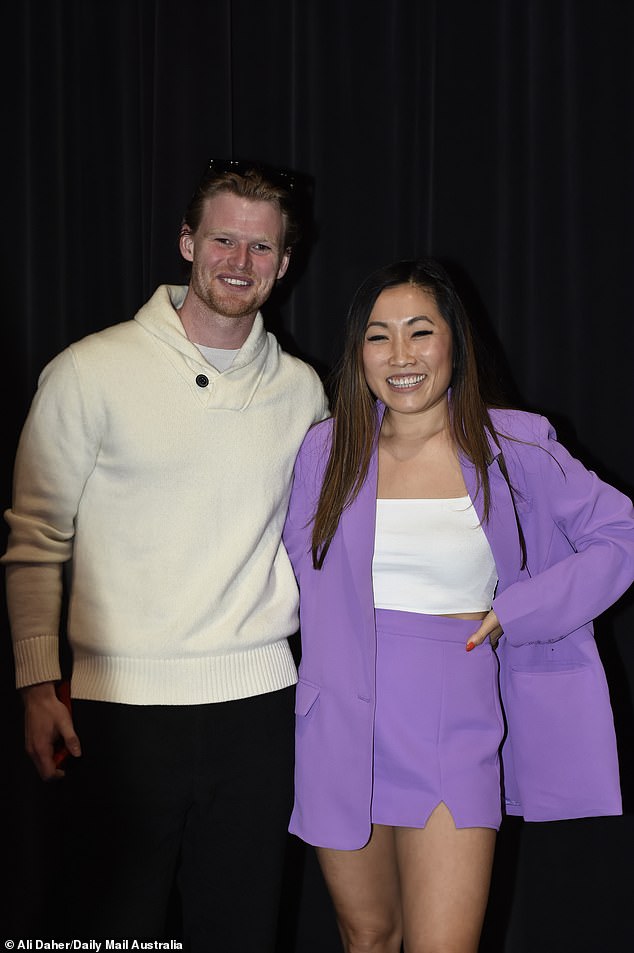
(277,177)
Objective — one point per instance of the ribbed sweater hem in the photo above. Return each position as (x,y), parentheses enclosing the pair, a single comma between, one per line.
(184,681)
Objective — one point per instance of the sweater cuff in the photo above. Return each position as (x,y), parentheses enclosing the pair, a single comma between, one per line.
(36,660)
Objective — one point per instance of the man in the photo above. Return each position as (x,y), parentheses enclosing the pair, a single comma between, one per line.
(157,456)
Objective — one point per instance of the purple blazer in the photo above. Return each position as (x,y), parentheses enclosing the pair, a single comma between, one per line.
(559,755)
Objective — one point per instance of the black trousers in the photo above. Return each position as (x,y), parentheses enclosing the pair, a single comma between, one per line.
(193,798)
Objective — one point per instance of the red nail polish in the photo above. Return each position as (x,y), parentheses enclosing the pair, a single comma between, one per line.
(470,645)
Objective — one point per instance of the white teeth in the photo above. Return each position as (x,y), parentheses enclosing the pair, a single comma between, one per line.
(236,281)
(406,381)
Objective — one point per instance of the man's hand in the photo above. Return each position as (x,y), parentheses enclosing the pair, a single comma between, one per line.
(47,721)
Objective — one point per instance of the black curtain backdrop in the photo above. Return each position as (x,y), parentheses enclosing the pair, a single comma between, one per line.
(496,135)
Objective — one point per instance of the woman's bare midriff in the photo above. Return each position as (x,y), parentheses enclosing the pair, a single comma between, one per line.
(463,615)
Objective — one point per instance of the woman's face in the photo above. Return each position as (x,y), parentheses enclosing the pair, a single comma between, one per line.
(407,351)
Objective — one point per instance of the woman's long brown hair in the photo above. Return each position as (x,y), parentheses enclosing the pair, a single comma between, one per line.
(356,424)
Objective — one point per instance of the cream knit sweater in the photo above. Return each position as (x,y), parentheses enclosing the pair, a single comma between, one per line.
(169,494)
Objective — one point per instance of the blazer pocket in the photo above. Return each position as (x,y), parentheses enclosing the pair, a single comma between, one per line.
(561,735)
(306,694)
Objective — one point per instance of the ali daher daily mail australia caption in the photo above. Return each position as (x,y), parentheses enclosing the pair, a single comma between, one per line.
(96,945)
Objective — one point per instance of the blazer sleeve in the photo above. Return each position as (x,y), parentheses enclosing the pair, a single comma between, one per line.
(580,541)
(307,477)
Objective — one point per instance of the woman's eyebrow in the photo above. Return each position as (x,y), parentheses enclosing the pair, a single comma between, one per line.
(384,324)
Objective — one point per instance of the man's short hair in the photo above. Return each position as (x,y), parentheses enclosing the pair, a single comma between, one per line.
(249,180)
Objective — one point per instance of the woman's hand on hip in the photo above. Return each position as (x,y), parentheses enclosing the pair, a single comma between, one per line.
(489,628)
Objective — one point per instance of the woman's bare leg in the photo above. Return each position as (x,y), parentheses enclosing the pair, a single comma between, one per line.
(445,876)
(364,887)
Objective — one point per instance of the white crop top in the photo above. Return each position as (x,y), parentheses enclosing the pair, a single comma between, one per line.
(431,556)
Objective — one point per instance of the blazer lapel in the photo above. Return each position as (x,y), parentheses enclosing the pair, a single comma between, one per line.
(358,523)
(358,526)
(501,527)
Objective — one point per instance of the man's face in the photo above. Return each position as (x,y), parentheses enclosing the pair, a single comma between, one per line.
(237,254)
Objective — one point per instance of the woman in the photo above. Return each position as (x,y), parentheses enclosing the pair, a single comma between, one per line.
(424,527)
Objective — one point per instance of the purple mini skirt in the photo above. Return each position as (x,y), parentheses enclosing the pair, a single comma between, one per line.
(438,722)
